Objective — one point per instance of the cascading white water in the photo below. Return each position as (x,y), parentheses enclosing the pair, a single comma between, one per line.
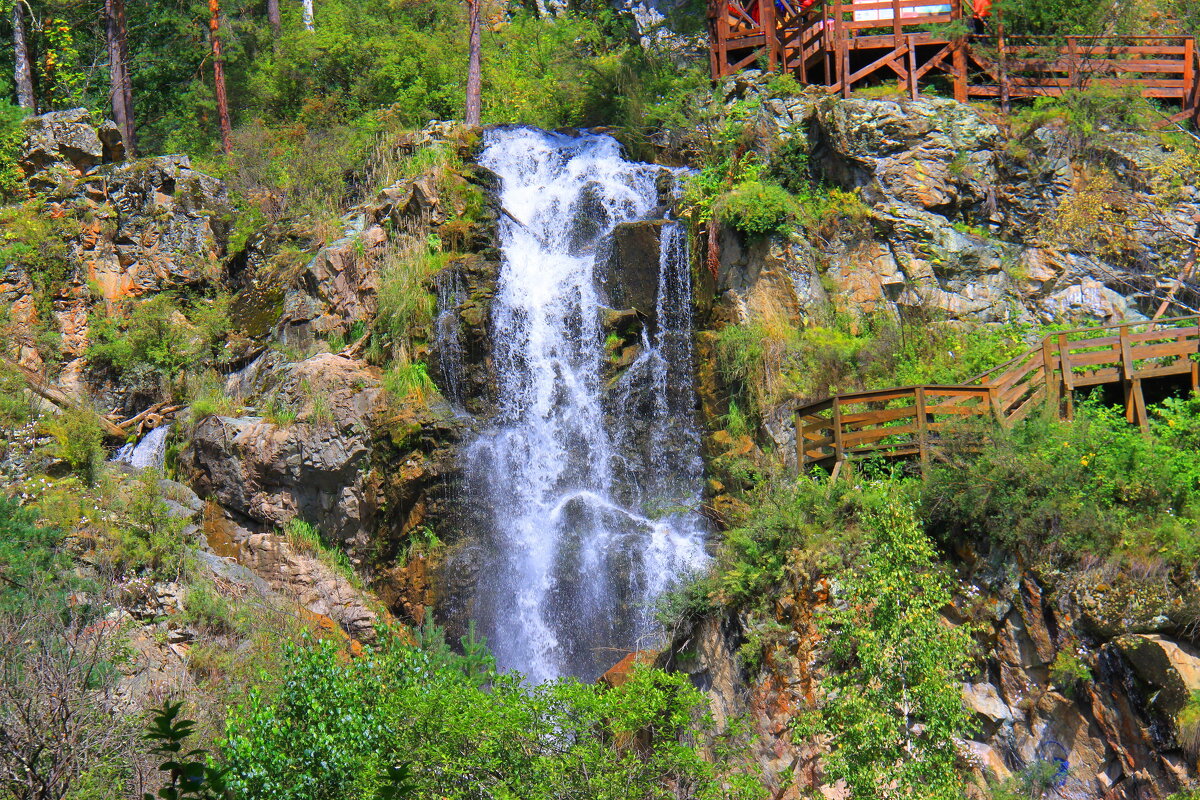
(148,452)
(592,491)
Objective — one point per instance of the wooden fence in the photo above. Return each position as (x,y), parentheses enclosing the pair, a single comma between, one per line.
(909,420)
(840,44)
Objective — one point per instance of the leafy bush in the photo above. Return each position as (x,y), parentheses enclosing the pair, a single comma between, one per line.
(30,554)
(893,706)
(1054,490)
(1188,725)
(757,208)
(12,180)
(79,441)
(465,739)
(153,339)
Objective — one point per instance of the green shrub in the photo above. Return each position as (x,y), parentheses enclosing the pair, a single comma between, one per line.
(757,209)
(409,381)
(154,339)
(79,441)
(1187,724)
(1068,670)
(1055,490)
(12,180)
(893,707)
(31,555)
(465,738)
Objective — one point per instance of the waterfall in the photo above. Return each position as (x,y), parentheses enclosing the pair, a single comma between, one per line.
(591,492)
(448,336)
(148,452)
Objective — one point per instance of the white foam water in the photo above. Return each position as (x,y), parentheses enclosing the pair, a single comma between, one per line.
(591,492)
(148,452)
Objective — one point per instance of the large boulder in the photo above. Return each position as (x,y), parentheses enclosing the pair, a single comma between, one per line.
(1172,668)
(66,142)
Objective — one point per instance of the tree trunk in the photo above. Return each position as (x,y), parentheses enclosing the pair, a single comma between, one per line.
(273,17)
(121,92)
(214,27)
(22,72)
(309,24)
(474,70)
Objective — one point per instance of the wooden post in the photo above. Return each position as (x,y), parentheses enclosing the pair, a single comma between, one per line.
(841,57)
(912,68)
(766,19)
(994,403)
(1189,72)
(1127,374)
(1068,379)
(801,450)
(896,33)
(1003,57)
(1195,377)
(922,429)
(959,56)
(1051,383)
(1072,66)
(839,453)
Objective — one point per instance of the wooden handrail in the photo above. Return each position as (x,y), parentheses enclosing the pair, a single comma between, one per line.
(905,422)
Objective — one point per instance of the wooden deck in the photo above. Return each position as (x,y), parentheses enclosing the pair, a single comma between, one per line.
(840,45)
(908,420)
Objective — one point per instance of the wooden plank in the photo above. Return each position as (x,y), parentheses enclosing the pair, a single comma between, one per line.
(839,448)
(1048,372)
(922,428)
(873,417)
(1127,374)
(1064,356)
(875,434)
(1139,404)
(1180,367)
(1144,352)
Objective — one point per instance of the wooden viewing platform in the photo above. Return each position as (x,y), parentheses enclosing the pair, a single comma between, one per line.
(839,45)
(908,420)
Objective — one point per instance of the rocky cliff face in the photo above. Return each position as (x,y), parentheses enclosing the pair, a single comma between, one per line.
(967,220)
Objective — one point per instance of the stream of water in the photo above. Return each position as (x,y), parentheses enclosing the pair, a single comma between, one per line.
(592,488)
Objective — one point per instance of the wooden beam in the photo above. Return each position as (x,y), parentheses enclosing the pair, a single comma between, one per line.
(59,398)
(1048,374)
(1064,360)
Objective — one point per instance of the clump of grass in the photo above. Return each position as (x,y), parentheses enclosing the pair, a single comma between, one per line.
(409,381)
(1188,725)
(278,410)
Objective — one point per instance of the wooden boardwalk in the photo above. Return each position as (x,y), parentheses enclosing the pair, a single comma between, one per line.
(908,421)
(840,45)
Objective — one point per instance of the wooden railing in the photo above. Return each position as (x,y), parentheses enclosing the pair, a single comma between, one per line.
(839,44)
(909,420)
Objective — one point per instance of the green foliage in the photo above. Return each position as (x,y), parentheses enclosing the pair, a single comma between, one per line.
(405,380)
(30,554)
(147,539)
(12,180)
(1068,670)
(154,339)
(1055,490)
(338,725)
(1059,18)
(1031,783)
(188,775)
(772,359)
(1187,724)
(757,209)
(79,441)
(893,705)
(406,305)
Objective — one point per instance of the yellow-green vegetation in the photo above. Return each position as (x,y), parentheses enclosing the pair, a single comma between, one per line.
(307,538)
(1057,490)
(768,361)
(79,441)
(12,180)
(1187,724)
(152,341)
(465,730)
